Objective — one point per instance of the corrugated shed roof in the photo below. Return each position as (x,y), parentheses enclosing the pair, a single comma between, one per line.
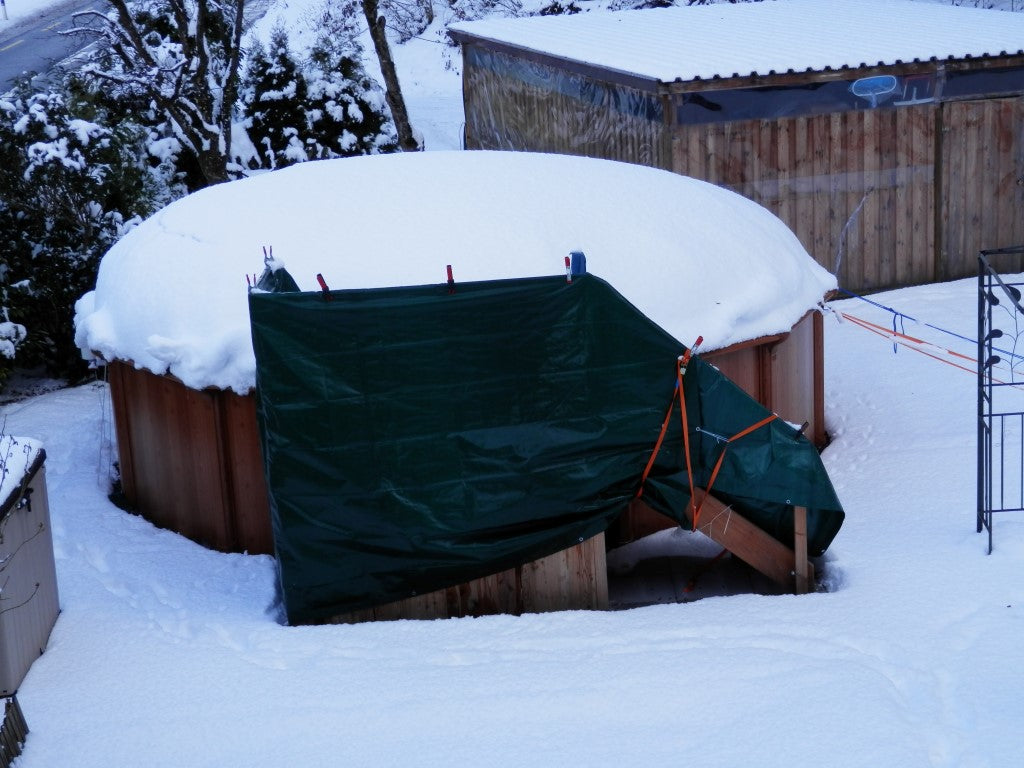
(771,37)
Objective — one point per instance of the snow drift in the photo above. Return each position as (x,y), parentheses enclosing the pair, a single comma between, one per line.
(695,258)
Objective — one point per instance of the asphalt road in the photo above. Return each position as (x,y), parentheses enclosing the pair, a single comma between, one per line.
(36,45)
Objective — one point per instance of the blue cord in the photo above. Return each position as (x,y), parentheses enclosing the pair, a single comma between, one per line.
(902,315)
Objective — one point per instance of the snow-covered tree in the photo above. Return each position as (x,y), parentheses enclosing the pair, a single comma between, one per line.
(327,107)
(183,57)
(274,101)
(407,140)
(69,188)
(346,110)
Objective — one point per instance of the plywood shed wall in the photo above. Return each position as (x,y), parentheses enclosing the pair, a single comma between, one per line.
(898,189)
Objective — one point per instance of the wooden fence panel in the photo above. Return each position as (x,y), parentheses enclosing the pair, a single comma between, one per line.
(982,195)
(856,187)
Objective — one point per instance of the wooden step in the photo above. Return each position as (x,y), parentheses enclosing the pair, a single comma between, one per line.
(755,547)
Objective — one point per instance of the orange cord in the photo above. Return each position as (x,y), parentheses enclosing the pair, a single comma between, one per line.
(680,393)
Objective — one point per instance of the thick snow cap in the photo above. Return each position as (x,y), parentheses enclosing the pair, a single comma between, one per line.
(695,258)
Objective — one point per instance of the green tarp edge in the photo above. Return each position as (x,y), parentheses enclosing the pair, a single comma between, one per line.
(416,438)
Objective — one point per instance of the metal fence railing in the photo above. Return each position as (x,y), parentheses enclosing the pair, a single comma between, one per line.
(1000,385)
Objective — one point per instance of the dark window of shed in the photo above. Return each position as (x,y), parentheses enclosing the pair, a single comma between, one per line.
(772,102)
(980,83)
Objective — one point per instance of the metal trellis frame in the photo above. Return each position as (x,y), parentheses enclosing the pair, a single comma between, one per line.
(1000,388)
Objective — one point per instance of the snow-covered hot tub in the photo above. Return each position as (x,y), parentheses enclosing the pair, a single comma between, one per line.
(169,312)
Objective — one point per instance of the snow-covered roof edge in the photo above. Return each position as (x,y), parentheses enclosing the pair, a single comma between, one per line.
(748,40)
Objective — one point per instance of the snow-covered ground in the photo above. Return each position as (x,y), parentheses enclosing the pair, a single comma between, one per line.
(167,654)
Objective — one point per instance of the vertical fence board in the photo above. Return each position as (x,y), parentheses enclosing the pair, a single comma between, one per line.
(982,197)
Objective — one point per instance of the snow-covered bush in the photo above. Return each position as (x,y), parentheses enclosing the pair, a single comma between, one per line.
(325,107)
(69,187)
(274,101)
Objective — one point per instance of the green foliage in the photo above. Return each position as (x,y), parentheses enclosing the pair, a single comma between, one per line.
(323,108)
(346,110)
(69,187)
(275,98)
(81,163)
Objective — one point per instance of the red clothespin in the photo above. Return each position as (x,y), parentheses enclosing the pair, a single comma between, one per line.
(451,280)
(684,359)
(323,286)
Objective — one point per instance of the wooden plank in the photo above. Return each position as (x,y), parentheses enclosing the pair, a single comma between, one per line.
(116,378)
(818,434)
(905,171)
(782,171)
(802,173)
(800,549)
(922,157)
(248,506)
(574,579)
(746,541)
(972,204)
(871,191)
(826,138)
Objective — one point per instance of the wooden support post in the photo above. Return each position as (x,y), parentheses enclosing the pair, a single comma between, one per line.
(800,549)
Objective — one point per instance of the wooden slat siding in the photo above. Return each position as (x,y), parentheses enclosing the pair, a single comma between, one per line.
(984,184)
(743,367)
(950,206)
(800,563)
(1013,232)
(243,462)
(573,579)
(792,369)
(916,263)
(972,190)
(783,161)
(174,455)
(877,190)
(119,391)
(803,206)
(995,167)
(819,436)
(826,201)
(982,156)
(1010,189)
(852,271)
(814,172)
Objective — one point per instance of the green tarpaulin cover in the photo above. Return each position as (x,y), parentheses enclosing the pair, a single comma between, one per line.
(417,438)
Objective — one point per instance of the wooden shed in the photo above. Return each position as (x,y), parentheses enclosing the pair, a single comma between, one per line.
(886,134)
